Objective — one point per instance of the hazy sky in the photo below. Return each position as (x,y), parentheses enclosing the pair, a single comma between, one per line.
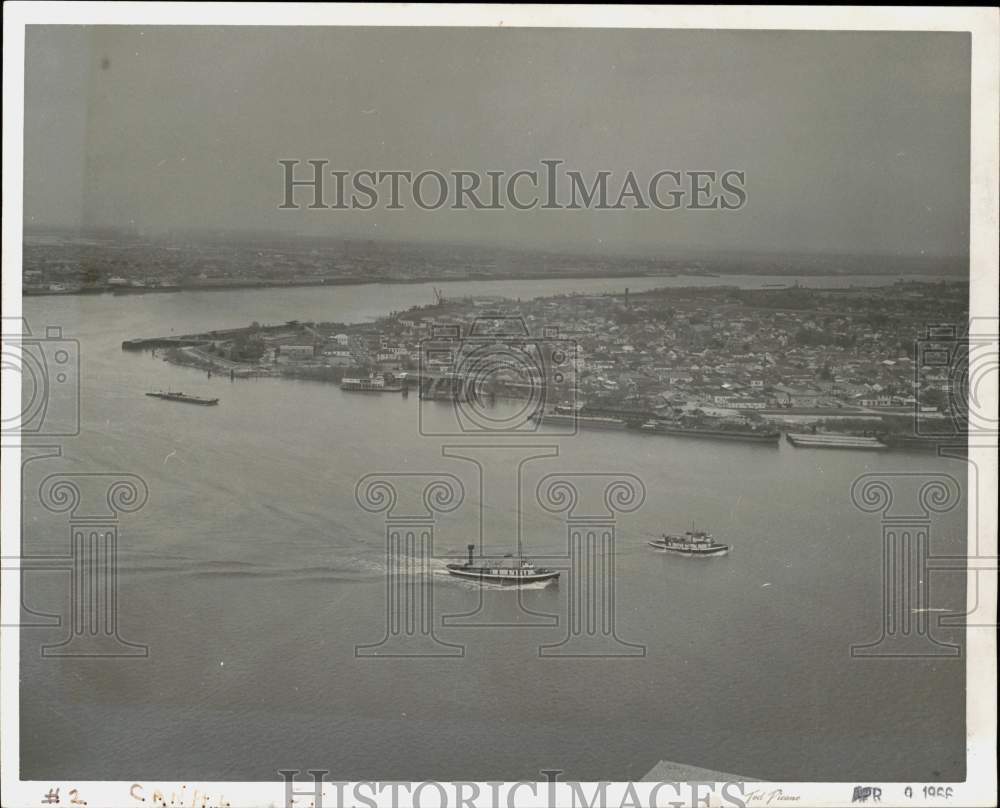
(854,142)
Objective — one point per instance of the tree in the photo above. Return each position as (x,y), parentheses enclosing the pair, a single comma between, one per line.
(248,349)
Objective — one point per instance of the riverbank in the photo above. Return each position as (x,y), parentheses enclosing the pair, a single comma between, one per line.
(662,345)
(120,291)
(879,434)
(370,279)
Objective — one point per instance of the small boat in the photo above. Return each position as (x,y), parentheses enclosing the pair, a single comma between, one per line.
(690,543)
(184,397)
(508,571)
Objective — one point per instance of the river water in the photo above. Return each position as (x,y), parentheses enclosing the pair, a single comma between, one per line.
(252,574)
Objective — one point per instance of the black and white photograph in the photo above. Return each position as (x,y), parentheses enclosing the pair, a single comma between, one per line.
(441,405)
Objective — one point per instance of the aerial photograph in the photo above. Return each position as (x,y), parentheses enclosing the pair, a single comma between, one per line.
(472,404)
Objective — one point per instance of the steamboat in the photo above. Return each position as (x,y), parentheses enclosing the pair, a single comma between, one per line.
(691,543)
(508,571)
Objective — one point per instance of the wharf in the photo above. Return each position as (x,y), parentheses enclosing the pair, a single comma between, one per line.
(830,441)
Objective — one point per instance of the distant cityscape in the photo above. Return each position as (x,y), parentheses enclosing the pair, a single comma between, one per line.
(125,262)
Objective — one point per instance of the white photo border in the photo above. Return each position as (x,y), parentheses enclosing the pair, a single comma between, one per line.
(980,787)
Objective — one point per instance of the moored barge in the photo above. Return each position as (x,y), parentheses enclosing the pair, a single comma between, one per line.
(184,397)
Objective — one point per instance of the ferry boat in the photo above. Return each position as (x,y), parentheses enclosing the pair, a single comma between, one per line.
(691,543)
(376,383)
(184,397)
(508,571)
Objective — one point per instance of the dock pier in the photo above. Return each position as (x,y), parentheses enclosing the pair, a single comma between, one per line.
(823,440)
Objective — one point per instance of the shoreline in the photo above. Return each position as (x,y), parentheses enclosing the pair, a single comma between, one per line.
(129,291)
(822,440)
(244,352)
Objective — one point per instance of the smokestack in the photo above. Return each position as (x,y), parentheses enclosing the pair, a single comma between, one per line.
(472,548)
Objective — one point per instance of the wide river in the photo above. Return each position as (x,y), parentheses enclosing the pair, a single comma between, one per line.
(252,574)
